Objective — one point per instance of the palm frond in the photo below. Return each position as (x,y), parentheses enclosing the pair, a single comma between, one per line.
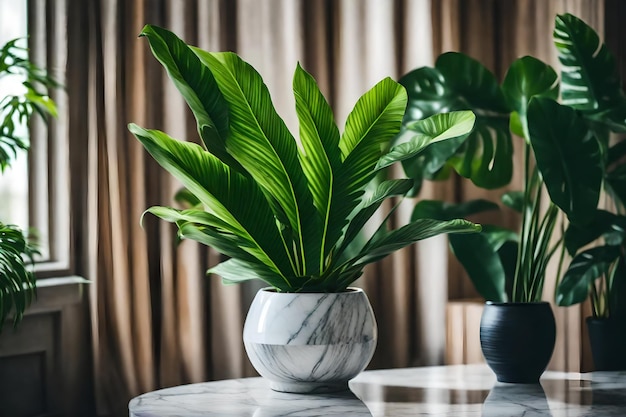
(233,198)
(262,144)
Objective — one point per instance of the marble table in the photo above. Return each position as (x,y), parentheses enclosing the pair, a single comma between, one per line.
(455,391)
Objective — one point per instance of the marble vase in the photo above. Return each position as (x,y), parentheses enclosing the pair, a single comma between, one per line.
(310,342)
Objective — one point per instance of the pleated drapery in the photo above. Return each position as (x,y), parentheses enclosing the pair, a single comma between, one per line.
(156,319)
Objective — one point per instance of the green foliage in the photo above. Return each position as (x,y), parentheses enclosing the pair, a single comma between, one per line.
(287,213)
(565,145)
(17,109)
(17,281)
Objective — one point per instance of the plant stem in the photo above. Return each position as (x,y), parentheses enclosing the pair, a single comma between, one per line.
(521,248)
(594,301)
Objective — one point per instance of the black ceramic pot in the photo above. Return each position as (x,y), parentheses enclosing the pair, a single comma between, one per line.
(608,343)
(517,340)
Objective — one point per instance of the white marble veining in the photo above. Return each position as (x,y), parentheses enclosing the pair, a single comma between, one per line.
(310,342)
(455,391)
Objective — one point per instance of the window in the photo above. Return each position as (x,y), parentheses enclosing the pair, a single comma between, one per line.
(34,191)
(14,180)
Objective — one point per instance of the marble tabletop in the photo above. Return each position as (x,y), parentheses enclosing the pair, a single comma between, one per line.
(455,391)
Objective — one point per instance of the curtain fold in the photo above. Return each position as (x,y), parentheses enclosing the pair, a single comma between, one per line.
(156,319)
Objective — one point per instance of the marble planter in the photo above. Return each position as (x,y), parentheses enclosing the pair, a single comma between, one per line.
(310,342)
(517,340)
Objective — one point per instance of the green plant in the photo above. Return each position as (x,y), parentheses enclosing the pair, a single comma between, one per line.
(566,152)
(17,109)
(285,214)
(597,272)
(17,281)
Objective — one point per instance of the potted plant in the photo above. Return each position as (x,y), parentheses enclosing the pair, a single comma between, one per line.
(17,280)
(598,272)
(565,151)
(292,215)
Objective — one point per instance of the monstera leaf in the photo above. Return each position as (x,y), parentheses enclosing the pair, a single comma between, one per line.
(461,83)
(528,77)
(568,157)
(590,81)
(582,272)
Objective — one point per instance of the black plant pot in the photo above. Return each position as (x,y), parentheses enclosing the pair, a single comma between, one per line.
(608,343)
(517,340)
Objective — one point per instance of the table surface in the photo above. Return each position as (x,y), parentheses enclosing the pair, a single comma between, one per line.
(460,390)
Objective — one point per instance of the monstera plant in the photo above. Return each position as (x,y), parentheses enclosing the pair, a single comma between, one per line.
(565,144)
(17,281)
(568,158)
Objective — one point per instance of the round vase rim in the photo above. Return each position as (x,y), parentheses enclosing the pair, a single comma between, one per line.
(349,290)
(515,304)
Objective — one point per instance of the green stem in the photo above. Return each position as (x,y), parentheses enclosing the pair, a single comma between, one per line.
(521,248)
(561,256)
(594,300)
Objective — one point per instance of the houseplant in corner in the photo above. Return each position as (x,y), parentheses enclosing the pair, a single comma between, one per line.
(289,215)
(17,280)
(565,152)
(599,273)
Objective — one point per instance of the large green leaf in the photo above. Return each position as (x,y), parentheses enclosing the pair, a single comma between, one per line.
(479,256)
(454,126)
(233,198)
(197,86)
(525,78)
(391,241)
(195,216)
(428,94)
(568,157)
(472,83)
(235,271)
(374,121)
(589,78)
(583,270)
(461,83)
(440,210)
(513,200)
(17,281)
(576,235)
(321,159)
(260,141)
(370,205)
(486,157)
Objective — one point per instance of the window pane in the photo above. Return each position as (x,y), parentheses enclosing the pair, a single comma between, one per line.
(14,181)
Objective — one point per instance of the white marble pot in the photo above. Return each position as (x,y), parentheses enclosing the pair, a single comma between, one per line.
(310,342)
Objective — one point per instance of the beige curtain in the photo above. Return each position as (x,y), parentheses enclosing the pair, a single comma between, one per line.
(156,319)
